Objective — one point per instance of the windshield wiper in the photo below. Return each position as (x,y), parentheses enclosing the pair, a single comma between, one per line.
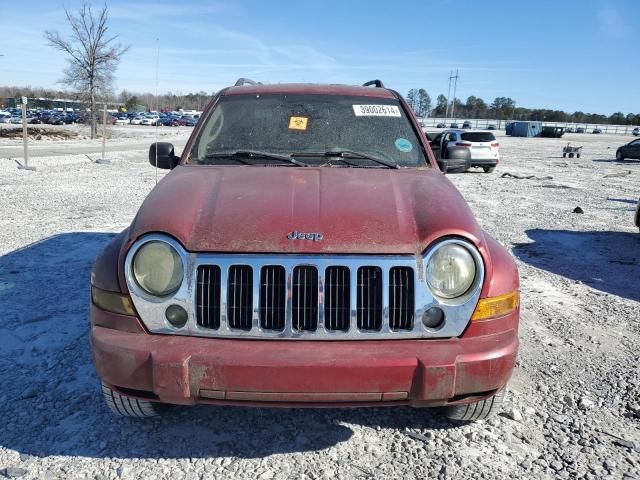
(343,154)
(238,154)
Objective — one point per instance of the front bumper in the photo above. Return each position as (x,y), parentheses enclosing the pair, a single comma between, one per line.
(190,370)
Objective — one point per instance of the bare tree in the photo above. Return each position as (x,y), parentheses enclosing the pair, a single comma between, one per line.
(93,55)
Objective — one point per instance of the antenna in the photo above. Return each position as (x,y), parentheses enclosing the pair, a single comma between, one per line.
(157,101)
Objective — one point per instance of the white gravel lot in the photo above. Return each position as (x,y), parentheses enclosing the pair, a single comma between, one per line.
(574,405)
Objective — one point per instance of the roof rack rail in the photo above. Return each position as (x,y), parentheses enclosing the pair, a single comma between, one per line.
(377,83)
(245,81)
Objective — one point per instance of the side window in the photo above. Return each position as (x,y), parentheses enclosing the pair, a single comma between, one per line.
(635,143)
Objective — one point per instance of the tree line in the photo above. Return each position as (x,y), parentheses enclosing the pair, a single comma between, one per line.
(505,108)
(130,100)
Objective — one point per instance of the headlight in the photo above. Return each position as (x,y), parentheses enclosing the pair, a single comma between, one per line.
(451,271)
(158,269)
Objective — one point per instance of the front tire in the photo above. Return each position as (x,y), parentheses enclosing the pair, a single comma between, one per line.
(488,169)
(481,410)
(619,156)
(124,406)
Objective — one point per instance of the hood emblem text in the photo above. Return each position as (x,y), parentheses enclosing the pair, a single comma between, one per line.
(313,236)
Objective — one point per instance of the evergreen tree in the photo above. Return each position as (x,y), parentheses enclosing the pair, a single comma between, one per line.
(424,103)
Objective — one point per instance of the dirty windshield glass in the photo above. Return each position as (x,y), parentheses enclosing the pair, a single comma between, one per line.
(311,129)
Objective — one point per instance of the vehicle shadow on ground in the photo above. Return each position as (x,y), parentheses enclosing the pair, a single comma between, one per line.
(617,162)
(51,403)
(606,261)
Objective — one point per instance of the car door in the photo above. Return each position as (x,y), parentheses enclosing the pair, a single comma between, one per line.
(633,150)
(435,146)
(448,138)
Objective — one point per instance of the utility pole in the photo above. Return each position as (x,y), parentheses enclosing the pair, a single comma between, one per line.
(446,113)
(455,84)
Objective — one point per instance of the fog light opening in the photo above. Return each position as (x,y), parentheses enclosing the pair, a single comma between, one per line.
(176,315)
(433,318)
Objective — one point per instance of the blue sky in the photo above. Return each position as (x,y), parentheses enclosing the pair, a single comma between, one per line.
(569,55)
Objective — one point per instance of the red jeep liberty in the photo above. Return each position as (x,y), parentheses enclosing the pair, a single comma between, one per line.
(305,250)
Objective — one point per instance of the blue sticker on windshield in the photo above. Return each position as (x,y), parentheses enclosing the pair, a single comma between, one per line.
(404,145)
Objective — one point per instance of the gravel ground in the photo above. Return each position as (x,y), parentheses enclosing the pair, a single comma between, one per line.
(573,410)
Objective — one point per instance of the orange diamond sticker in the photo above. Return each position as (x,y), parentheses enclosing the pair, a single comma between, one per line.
(298,123)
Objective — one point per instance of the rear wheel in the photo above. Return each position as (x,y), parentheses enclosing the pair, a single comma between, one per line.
(124,406)
(477,410)
(488,169)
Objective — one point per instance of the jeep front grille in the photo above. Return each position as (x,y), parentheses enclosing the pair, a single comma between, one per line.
(305,301)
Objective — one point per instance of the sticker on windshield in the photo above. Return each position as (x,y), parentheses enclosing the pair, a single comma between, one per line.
(298,123)
(376,110)
(404,145)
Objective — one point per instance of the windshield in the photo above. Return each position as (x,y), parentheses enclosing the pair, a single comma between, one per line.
(314,129)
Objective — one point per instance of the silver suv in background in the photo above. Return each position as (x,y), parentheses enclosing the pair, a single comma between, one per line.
(459,150)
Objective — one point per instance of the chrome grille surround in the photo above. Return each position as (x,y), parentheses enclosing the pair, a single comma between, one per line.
(151,309)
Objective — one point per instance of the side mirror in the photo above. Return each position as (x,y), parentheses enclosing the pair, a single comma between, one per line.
(165,155)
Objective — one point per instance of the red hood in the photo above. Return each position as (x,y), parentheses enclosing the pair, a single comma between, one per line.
(253,209)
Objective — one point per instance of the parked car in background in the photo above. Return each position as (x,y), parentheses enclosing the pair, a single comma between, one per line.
(635,131)
(570,130)
(71,118)
(580,130)
(597,130)
(151,120)
(491,126)
(137,120)
(441,125)
(454,125)
(371,284)
(630,150)
(188,121)
(466,124)
(482,147)
(166,121)
(123,120)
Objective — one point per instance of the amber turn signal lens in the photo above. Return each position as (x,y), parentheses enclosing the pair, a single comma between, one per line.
(112,301)
(494,307)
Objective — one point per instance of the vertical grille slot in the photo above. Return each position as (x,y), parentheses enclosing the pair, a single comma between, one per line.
(273,292)
(208,296)
(304,299)
(240,297)
(337,310)
(401,298)
(369,298)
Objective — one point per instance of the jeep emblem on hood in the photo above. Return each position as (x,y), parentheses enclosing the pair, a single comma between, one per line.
(314,236)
